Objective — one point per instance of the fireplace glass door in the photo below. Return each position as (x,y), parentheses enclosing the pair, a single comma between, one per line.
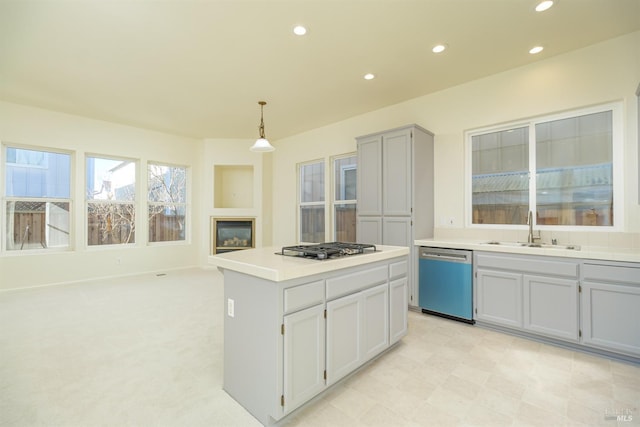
(232,234)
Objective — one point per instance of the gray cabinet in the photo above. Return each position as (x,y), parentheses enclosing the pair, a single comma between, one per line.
(397,309)
(531,293)
(344,347)
(551,306)
(610,306)
(304,354)
(395,192)
(585,303)
(357,328)
(499,297)
(375,321)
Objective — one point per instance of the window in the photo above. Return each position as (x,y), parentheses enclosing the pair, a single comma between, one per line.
(37,199)
(344,202)
(111,194)
(167,197)
(311,202)
(501,176)
(572,157)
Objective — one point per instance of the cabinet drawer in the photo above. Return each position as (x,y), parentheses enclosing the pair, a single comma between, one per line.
(303,296)
(612,273)
(350,283)
(398,269)
(528,264)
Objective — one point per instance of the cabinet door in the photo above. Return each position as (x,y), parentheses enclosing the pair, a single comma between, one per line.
(369,173)
(499,297)
(369,229)
(304,356)
(344,348)
(396,231)
(610,317)
(375,322)
(396,173)
(551,306)
(398,307)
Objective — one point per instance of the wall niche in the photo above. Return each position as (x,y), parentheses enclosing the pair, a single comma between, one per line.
(233,186)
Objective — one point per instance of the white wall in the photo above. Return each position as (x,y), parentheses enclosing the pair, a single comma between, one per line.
(601,73)
(41,128)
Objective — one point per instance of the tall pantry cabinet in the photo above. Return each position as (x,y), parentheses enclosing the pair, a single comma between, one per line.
(395,192)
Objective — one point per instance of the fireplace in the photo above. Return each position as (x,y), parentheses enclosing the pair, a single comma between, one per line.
(232,234)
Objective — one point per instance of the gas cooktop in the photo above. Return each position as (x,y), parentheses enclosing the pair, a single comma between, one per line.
(326,250)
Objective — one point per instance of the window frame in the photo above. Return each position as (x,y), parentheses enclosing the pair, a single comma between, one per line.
(617,160)
(186,204)
(5,199)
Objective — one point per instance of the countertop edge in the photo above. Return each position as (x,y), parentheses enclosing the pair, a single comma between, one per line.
(280,269)
(595,253)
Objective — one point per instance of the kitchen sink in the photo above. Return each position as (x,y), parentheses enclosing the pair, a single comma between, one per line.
(533,245)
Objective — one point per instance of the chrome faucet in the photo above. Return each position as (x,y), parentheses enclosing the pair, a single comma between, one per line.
(530,222)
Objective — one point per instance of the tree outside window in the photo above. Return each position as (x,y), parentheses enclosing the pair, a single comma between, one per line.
(167,196)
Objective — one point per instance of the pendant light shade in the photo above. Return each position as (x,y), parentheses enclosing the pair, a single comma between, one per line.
(261,144)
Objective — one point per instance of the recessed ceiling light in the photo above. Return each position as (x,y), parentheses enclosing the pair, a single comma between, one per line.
(536,49)
(369,76)
(299,30)
(544,5)
(439,48)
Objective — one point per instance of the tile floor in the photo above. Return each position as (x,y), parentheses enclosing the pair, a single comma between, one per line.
(147,351)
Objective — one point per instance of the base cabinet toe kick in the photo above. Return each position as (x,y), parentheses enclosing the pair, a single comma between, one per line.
(287,342)
(583,304)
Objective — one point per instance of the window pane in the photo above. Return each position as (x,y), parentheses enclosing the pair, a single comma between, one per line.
(31,173)
(166,222)
(109,179)
(345,219)
(500,177)
(312,224)
(345,178)
(574,176)
(110,223)
(312,182)
(167,184)
(37,225)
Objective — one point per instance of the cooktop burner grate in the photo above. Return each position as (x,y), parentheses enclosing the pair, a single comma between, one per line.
(326,250)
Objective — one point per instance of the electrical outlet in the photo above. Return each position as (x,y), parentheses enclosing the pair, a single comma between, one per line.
(230,308)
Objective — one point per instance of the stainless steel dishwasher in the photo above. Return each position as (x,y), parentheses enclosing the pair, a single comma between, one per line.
(445,278)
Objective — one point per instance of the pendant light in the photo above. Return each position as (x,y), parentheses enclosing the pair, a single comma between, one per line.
(262,145)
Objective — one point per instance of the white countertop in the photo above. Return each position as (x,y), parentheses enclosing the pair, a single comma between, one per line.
(585,252)
(264,263)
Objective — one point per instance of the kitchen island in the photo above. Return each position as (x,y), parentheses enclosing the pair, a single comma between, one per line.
(295,326)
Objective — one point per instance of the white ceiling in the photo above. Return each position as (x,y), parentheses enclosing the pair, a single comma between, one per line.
(198,68)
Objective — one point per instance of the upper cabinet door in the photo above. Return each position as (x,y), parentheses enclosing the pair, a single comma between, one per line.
(369,176)
(397,173)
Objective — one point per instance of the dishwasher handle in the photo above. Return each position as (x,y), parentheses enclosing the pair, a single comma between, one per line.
(463,257)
